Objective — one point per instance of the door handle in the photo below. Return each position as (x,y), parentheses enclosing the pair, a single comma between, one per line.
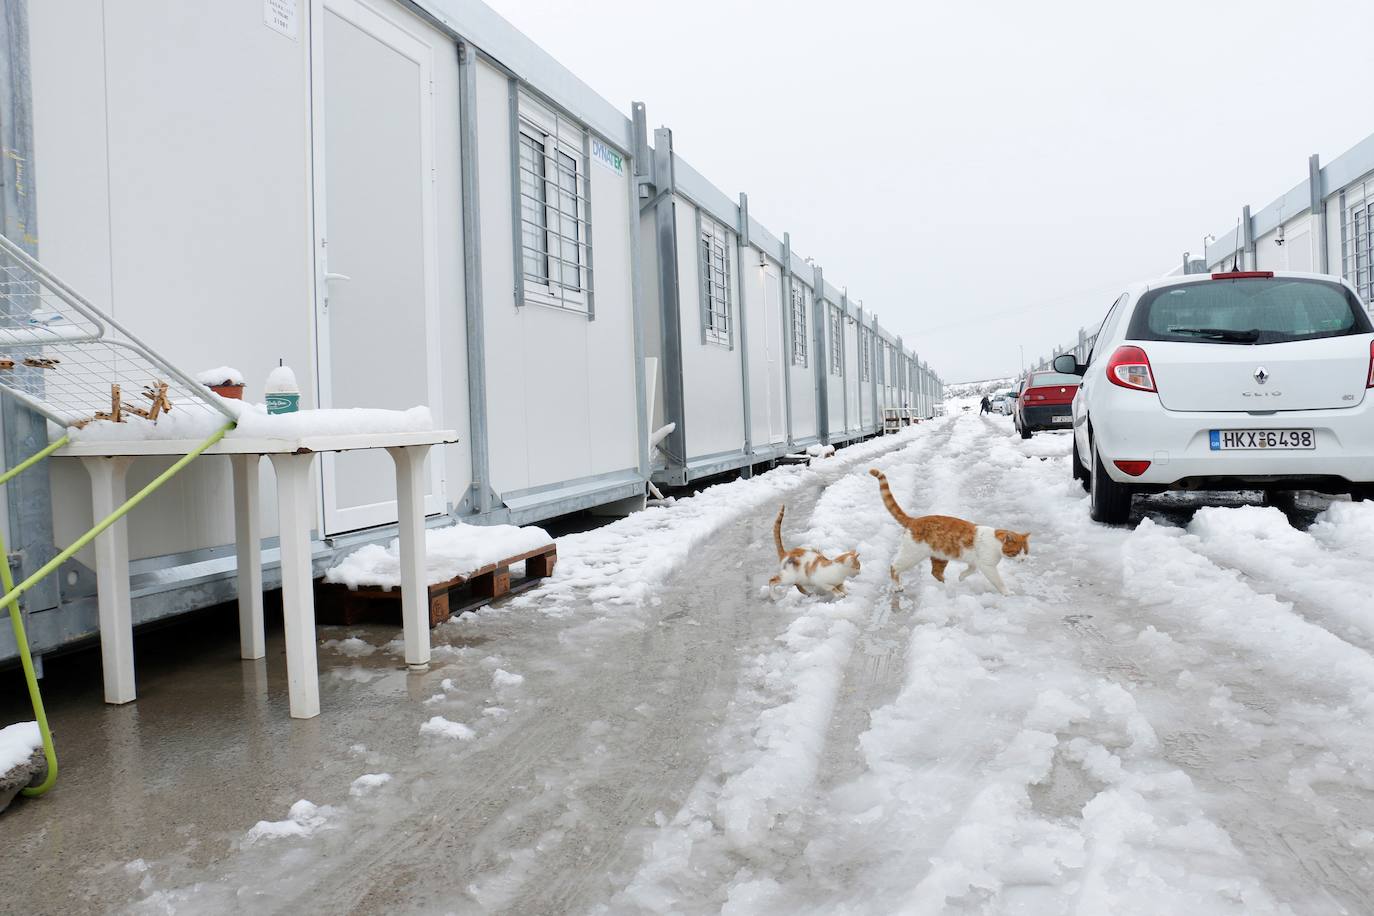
(329,276)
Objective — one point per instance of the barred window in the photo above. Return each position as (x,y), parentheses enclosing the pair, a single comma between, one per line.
(880,348)
(798,324)
(1357,240)
(865,354)
(836,341)
(715,282)
(555,219)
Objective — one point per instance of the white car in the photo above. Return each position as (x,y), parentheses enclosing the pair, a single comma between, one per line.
(1238,380)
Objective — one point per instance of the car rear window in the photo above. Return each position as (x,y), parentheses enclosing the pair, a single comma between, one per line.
(1045,379)
(1255,310)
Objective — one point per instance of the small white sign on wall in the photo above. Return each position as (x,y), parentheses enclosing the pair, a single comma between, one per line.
(280,16)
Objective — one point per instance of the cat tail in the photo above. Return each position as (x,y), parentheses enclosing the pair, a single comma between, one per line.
(888,499)
(777,533)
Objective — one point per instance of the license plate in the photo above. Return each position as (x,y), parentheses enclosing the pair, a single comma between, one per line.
(1225,440)
(1062,419)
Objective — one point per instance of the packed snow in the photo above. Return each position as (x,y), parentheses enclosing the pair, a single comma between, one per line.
(1172,718)
(304,818)
(17,744)
(455,550)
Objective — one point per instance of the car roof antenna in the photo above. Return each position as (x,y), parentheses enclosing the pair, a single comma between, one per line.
(1235,259)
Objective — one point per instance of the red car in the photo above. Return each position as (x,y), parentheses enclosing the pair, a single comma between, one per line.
(1045,402)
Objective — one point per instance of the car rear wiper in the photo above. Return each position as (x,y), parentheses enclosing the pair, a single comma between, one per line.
(1220,334)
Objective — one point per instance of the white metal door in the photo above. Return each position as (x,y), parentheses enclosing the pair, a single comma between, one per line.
(377,314)
(773,347)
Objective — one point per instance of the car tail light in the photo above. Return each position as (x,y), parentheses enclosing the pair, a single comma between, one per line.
(1369,382)
(1244,275)
(1129,367)
(1133,468)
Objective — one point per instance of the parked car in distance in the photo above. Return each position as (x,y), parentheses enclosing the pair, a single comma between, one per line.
(1234,380)
(1043,403)
(1004,403)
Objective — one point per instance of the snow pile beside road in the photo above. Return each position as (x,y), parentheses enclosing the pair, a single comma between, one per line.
(457,550)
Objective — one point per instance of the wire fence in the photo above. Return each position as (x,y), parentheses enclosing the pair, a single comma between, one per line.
(62,357)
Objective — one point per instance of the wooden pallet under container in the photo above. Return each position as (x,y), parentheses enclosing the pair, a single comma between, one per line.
(339,604)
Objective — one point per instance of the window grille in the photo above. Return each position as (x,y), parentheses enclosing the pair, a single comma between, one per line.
(880,350)
(865,354)
(836,341)
(798,324)
(715,282)
(1357,240)
(555,258)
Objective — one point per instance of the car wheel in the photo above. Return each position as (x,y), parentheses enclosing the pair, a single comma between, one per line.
(1025,433)
(1111,501)
(1360,492)
(1080,473)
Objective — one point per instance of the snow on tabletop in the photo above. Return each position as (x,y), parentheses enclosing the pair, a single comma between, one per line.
(17,744)
(194,421)
(453,551)
(220,375)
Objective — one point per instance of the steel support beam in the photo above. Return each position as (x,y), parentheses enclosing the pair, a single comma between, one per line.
(28,497)
(479,496)
(786,283)
(639,171)
(742,249)
(820,311)
(670,296)
(1317,187)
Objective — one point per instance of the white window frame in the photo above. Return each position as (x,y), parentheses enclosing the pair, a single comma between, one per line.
(1357,237)
(551,197)
(798,313)
(713,259)
(836,341)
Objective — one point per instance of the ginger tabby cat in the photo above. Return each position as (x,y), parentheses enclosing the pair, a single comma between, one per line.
(942,538)
(806,568)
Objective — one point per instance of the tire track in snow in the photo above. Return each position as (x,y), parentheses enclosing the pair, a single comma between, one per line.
(1227,737)
(744,812)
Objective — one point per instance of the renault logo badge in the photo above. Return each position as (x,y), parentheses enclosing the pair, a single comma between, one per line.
(1261,376)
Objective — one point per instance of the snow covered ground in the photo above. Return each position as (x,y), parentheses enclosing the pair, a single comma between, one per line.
(1170,719)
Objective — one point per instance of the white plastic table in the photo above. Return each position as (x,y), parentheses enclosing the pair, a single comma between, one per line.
(108,464)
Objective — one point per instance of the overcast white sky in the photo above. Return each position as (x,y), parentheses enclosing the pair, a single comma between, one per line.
(984,175)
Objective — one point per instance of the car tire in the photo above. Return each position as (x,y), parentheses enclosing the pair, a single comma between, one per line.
(1110,501)
(1360,493)
(1081,473)
(1025,433)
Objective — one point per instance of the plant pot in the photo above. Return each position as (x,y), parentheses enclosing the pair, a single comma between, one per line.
(233,392)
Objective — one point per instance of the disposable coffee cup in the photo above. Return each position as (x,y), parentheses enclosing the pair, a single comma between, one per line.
(283,403)
(282,393)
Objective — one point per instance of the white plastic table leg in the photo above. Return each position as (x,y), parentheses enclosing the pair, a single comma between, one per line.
(248,541)
(410,508)
(295,502)
(108,492)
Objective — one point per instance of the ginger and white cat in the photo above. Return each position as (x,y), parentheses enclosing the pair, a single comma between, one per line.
(806,568)
(942,538)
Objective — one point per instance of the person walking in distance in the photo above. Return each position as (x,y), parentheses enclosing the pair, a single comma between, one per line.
(985,406)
